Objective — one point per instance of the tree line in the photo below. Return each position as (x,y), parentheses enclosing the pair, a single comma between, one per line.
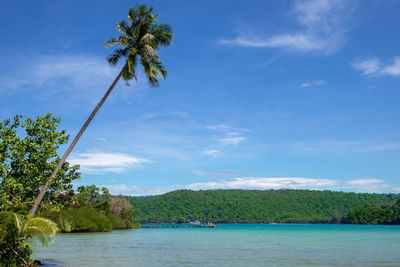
(374,214)
(253,206)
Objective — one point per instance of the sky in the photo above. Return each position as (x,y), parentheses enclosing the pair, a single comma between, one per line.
(260,94)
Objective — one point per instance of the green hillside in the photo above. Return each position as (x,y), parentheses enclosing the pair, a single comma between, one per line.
(252,206)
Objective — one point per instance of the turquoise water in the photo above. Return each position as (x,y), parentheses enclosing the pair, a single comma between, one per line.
(230,245)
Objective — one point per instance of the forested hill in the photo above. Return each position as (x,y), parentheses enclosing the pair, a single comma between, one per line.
(252,206)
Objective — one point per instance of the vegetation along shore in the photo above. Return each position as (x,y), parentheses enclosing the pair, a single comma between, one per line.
(269,206)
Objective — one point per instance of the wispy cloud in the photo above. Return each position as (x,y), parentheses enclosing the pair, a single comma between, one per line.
(320,28)
(215,173)
(375,67)
(226,128)
(133,190)
(101,162)
(365,181)
(264,183)
(313,83)
(367,185)
(101,139)
(235,140)
(343,146)
(59,71)
(391,69)
(367,66)
(212,152)
(230,135)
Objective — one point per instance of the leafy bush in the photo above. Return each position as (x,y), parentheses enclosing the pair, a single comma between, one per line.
(15,230)
(84,219)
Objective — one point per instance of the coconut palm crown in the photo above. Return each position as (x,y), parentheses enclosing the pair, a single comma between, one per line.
(141,38)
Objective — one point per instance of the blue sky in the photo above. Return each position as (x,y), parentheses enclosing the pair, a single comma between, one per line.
(260,94)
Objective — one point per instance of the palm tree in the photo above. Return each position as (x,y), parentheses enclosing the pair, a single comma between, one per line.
(16,229)
(140,39)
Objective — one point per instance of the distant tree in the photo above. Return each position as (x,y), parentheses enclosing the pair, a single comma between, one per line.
(121,208)
(140,39)
(92,197)
(28,154)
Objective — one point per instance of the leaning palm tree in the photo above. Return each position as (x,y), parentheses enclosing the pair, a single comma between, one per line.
(15,230)
(140,40)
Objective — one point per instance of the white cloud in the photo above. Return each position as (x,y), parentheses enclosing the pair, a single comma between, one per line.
(228,135)
(219,127)
(367,185)
(375,67)
(393,69)
(232,140)
(320,26)
(364,181)
(264,183)
(314,83)
(123,189)
(226,128)
(101,139)
(105,162)
(367,66)
(212,152)
(59,71)
(214,173)
(300,42)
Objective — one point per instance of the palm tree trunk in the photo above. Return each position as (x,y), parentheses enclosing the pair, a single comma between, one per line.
(72,145)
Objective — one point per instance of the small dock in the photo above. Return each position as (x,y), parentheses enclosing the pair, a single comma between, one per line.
(177,225)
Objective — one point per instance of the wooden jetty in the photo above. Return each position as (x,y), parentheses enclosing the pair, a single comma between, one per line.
(178,225)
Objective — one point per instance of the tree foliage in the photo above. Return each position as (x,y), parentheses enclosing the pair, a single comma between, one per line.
(374,214)
(28,155)
(252,206)
(93,210)
(140,39)
(121,208)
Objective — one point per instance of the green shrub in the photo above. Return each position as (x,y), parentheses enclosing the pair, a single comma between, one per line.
(84,219)
(15,229)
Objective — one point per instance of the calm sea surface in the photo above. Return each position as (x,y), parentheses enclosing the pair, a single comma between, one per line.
(230,245)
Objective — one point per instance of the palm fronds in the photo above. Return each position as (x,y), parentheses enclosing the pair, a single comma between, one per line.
(140,38)
(42,229)
(20,227)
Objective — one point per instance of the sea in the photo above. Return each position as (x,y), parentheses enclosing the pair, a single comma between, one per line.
(229,245)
